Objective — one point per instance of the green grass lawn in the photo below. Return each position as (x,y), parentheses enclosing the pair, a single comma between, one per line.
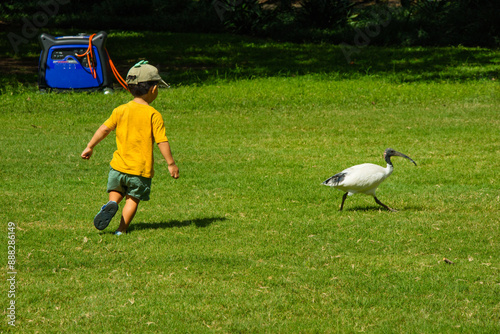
(247,240)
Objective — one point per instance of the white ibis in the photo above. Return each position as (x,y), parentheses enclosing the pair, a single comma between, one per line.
(364,178)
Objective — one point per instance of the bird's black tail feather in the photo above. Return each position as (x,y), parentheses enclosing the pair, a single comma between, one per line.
(335,180)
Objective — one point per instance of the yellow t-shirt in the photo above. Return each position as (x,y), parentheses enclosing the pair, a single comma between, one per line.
(138,127)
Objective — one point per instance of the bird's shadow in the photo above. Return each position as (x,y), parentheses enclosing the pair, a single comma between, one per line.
(364,208)
(199,222)
(379,208)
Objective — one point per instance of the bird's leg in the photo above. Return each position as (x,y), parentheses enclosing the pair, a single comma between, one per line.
(343,200)
(385,206)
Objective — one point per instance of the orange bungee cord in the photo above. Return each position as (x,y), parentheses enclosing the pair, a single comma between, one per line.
(90,59)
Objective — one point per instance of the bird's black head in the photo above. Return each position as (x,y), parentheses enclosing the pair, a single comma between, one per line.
(390,152)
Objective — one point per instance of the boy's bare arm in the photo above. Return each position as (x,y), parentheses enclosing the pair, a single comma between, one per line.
(99,135)
(167,154)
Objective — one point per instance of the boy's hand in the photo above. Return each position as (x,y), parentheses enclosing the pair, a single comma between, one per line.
(167,154)
(99,135)
(174,171)
(87,153)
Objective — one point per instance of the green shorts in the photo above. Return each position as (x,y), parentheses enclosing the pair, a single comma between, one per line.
(131,185)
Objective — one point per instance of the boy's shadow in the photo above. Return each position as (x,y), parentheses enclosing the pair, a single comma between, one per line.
(199,222)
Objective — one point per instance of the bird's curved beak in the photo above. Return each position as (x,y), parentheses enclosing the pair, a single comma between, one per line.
(404,156)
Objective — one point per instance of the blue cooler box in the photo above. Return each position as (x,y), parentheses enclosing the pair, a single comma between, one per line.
(60,66)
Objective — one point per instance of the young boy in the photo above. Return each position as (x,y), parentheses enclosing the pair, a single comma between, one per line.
(138,126)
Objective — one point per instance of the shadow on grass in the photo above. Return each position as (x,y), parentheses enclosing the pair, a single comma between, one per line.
(200,222)
(369,208)
(186,59)
(198,58)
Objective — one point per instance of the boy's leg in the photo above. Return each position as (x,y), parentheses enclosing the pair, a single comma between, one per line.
(128,212)
(115,196)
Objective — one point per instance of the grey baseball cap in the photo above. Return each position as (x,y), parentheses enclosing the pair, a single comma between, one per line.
(143,72)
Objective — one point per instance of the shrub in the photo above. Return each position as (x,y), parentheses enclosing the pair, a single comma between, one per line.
(243,16)
(325,14)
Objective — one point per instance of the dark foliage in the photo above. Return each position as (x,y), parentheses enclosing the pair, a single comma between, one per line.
(325,14)
(241,16)
(415,22)
(91,15)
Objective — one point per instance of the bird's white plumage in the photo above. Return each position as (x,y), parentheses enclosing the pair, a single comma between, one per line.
(364,178)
